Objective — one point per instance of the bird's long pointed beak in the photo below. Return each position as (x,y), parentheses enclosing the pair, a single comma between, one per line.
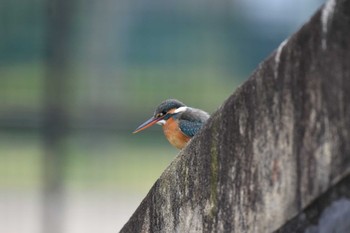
(147,124)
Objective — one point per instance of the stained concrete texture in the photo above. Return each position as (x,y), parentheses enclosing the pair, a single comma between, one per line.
(277,144)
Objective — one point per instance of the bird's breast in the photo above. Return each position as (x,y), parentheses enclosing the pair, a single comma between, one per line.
(174,135)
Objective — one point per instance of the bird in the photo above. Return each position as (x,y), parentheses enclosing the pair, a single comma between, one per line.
(180,122)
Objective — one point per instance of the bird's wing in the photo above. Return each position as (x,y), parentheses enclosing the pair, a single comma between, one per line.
(190,128)
(192,120)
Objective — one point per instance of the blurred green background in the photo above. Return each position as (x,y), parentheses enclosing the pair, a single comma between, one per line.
(77,77)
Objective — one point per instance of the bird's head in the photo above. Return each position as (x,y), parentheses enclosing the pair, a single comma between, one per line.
(162,113)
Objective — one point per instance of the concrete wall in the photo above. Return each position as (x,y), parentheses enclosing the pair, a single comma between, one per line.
(275,146)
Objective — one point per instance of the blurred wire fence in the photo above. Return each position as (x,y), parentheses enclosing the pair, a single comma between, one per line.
(78,76)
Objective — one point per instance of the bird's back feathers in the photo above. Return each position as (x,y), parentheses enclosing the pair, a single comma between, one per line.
(191,121)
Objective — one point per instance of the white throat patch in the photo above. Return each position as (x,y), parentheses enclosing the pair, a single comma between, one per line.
(161,122)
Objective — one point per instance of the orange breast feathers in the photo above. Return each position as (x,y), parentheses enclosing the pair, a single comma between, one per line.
(174,135)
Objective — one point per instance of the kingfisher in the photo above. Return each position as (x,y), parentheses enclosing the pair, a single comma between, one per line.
(180,122)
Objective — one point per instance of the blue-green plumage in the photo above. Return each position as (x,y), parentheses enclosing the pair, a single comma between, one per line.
(166,105)
(191,120)
(190,128)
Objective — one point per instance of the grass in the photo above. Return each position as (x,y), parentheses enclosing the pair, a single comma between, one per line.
(20,163)
(117,162)
(98,162)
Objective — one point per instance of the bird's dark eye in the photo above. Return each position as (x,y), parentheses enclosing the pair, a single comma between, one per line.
(160,114)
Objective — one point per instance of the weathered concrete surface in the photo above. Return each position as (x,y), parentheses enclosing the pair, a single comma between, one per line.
(279,142)
(328,213)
